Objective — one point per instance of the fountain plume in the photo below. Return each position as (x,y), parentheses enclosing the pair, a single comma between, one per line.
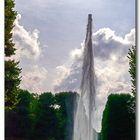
(84,115)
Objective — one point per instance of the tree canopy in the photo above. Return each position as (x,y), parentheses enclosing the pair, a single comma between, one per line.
(40,117)
(12,71)
(117,122)
(132,68)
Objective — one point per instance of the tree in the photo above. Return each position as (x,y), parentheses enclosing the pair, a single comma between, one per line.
(61,115)
(117,122)
(10,16)
(45,126)
(132,69)
(18,120)
(40,117)
(12,81)
(12,71)
(65,114)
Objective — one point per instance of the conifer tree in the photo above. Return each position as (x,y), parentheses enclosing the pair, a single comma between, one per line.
(12,70)
(132,67)
(132,70)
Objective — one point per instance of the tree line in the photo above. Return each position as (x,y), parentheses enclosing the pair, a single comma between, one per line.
(41,117)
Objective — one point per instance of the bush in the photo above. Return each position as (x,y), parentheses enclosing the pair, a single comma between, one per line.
(118,120)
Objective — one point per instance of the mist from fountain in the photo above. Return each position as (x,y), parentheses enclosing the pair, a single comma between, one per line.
(84,112)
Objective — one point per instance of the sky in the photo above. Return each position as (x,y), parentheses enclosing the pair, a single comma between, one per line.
(49,37)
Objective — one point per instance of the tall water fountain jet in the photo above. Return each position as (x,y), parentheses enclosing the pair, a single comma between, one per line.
(84,115)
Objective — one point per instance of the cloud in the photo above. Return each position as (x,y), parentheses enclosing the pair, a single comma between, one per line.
(130,37)
(111,67)
(72,80)
(34,75)
(106,43)
(34,79)
(27,43)
(77,53)
(110,54)
(61,72)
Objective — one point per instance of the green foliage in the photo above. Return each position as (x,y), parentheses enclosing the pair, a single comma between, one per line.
(12,71)
(12,82)
(40,117)
(117,122)
(18,121)
(65,114)
(61,115)
(132,69)
(10,16)
(45,126)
